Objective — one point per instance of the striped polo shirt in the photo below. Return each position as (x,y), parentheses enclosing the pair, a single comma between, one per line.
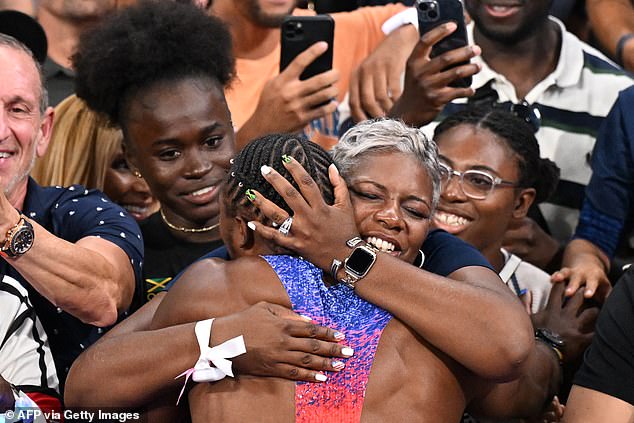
(25,356)
(572,101)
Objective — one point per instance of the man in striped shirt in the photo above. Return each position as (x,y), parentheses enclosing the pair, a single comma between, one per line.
(27,370)
(529,63)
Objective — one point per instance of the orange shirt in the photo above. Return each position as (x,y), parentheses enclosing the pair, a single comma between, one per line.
(357,34)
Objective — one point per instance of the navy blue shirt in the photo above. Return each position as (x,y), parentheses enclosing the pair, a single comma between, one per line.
(607,209)
(71,214)
(444,254)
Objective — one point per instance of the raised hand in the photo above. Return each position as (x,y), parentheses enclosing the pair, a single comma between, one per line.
(376,84)
(319,232)
(427,79)
(288,104)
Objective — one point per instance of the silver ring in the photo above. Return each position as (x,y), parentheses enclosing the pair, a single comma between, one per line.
(285,227)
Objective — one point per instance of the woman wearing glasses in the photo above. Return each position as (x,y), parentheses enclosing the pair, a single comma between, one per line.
(492,173)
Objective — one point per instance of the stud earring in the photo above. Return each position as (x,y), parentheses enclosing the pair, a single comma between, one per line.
(136,173)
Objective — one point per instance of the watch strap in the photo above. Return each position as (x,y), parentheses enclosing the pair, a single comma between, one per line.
(11,233)
(545,336)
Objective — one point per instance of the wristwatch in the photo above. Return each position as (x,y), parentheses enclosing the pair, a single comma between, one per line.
(358,264)
(553,340)
(19,239)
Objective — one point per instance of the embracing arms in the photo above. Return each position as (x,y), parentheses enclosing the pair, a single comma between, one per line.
(280,343)
(415,296)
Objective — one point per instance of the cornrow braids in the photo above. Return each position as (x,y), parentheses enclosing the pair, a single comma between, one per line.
(534,171)
(268,150)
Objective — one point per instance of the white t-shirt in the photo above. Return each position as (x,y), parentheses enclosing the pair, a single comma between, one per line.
(25,356)
(518,275)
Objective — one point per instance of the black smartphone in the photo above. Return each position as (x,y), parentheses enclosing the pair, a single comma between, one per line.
(432,13)
(301,32)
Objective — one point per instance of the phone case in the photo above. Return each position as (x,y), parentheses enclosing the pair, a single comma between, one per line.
(432,13)
(301,32)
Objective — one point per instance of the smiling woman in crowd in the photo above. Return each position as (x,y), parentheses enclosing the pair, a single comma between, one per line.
(85,150)
(492,173)
(177,129)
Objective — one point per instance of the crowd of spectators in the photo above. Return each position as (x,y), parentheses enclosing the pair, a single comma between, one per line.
(376,242)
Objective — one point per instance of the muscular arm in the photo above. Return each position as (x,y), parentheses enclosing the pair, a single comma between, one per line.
(91,279)
(447,312)
(589,406)
(610,20)
(276,338)
(435,307)
(527,396)
(121,358)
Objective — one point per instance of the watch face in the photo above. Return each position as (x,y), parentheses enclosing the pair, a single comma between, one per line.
(22,241)
(360,261)
(551,336)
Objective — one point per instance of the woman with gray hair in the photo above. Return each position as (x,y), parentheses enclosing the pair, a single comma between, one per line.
(384,198)
(387,136)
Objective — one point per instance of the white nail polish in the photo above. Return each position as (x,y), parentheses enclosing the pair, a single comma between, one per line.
(347,351)
(320,377)
(265,170)
(308,319)
(251,226)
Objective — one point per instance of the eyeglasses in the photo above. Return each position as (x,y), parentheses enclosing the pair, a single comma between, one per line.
(475,184)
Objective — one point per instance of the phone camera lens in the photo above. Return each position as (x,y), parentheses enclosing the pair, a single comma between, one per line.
(432,14)
(423,6)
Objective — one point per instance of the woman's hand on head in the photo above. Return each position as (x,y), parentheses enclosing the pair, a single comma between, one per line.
(319,231)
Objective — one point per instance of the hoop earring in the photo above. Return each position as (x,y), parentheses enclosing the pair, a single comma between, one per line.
(420,259)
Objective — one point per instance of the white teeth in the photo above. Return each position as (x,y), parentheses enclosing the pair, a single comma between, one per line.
(4,155)
(451,219)
(134,209)
(380,244)
(202,191)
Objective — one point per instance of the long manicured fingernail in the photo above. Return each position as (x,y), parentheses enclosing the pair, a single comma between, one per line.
(339,336)
(338,365)
(286,159)
(320,377)
(523,292)
(251,225)
(308,319)
(250,195)
(589,293)
(265,170)
(347,351)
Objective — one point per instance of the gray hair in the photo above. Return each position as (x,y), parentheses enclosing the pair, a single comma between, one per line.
(13,43)
(387,135)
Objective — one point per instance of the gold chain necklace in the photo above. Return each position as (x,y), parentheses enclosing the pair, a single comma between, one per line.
(187,230)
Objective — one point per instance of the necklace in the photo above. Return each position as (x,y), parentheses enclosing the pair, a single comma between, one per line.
(187,230)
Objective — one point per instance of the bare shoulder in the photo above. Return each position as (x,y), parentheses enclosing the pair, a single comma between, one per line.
(195,295)
(214,288)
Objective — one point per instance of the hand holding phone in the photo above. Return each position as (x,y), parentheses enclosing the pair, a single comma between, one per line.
(433,13)
(301,32)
